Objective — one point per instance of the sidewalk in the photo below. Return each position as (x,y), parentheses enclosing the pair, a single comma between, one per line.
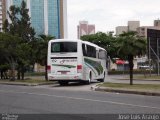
(123,79)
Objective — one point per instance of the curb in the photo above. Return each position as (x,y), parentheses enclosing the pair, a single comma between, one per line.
(94,87)
(25,84)
(155,80)
(107,89)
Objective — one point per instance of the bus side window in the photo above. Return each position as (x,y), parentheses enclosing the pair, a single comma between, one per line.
(102,54)
(88,51)
(84,50)
(91,51)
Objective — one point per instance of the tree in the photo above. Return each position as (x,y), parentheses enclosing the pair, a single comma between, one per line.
(26,32)
(104,40)
(6,26)
(3,70)
(23,59)
(33,52)
(41,53)
(130,45)
(8,50)
(24,26)
(4,66)
(12,27)
(20,25)
(20,22)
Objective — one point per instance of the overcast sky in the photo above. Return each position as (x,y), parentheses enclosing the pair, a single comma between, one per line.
(107,14)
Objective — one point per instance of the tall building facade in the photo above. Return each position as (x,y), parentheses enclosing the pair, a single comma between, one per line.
(121,29)
(2,13)
(142,31)
(132,26)
(47,16)
(85,29)
(157,23)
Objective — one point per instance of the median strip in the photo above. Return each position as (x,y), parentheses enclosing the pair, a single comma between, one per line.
(141,89)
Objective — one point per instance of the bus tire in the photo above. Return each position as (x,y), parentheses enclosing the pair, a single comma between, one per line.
(89,79)
(102,80)
(62,83)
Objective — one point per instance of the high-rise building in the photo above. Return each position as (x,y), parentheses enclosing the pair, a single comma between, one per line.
(133,25)
(121,29)
(2,13)
(47,16)
(142,31)
(157,23)
(85,29)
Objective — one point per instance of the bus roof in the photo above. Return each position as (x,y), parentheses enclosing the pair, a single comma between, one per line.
(77,40)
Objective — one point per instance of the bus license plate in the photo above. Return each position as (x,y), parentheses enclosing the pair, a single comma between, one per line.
(63,72)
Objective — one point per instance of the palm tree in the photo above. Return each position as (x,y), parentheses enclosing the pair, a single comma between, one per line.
(129,45)
(42,50)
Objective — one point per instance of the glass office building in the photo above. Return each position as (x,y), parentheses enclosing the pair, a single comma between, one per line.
(54,17)
(47,16)
(37,15)
(17,2)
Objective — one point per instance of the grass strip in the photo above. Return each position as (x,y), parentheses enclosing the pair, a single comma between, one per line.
(155,87)
(147,77)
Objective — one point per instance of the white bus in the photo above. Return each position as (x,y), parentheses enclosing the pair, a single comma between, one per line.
(75,61)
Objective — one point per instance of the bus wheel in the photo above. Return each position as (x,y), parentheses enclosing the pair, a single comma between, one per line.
(102,80)
(63,83)
(89,79)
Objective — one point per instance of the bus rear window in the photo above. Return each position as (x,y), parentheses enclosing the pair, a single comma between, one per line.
(63,47)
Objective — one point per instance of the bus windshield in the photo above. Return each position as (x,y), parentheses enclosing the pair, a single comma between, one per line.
(57,47)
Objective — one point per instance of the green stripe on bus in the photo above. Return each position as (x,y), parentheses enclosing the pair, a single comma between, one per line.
(67,66)
(96,65)
(90,67)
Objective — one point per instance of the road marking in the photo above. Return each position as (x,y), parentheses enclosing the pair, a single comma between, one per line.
(75,98)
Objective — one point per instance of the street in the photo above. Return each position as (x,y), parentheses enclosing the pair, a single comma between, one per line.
(72,99)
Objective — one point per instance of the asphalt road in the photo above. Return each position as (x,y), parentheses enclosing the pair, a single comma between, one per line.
(72,99)
(72,102)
